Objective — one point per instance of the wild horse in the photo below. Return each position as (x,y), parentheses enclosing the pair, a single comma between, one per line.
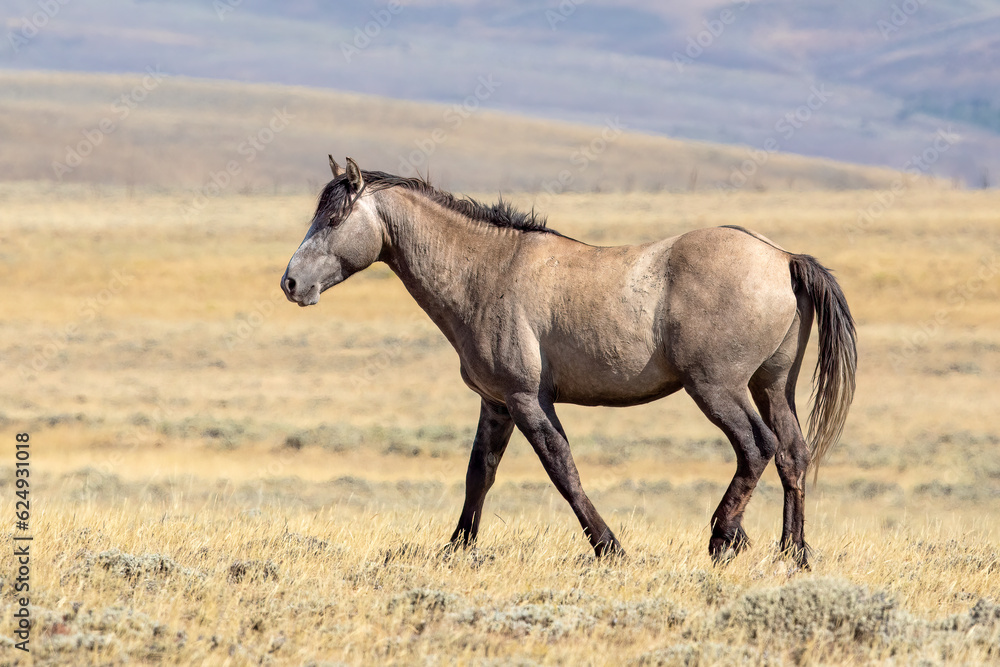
(538,318)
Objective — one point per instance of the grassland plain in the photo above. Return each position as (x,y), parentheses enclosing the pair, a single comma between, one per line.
(219,477)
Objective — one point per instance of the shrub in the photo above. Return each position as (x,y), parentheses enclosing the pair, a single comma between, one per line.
(806,609)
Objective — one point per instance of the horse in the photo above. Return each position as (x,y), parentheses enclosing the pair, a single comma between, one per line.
(538,318)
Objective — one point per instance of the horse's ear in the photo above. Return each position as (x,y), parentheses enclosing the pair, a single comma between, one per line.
(334,167)
(354,178)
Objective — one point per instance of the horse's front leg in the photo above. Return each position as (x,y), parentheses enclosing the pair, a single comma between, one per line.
(536,418)
(492,436)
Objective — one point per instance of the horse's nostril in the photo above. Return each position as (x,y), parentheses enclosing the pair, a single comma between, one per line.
(290,284)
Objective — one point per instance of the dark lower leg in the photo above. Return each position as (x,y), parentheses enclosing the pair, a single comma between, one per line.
(492,436)
(728,537)
(754,444)
(541,427)
(555,456)
(792,460)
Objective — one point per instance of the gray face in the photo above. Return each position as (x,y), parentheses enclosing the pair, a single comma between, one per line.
(338,244)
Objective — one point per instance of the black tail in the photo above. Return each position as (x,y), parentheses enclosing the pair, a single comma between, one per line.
(834,379)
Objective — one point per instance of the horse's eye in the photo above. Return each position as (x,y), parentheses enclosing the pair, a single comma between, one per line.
(333,221)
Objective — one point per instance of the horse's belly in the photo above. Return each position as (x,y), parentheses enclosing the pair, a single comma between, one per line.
(604,382)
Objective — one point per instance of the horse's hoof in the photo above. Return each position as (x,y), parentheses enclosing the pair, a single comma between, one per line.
(724,556)
(451,549)
(723,549)
(611,554)
(798,554)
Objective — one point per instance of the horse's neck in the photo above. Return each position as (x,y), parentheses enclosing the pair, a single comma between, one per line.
(444,259)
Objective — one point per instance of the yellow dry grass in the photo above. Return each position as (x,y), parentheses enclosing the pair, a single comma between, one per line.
(219,477)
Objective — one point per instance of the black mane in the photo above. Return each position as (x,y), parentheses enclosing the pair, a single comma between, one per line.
(335,202)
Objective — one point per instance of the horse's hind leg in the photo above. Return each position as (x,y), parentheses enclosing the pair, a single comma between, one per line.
(773,390)
(754,443)
(536,418)
(492,436)
(791,459)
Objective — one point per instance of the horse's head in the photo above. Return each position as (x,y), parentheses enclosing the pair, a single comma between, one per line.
(345,237)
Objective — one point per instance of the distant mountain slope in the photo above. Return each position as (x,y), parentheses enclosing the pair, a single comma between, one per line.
(176,132)
(894,74)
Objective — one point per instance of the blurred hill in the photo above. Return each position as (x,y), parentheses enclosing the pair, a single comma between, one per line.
(892,73)
(168,131)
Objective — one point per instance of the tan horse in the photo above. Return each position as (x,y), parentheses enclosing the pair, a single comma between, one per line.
(538,318)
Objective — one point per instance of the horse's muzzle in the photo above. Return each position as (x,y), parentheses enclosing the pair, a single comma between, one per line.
(297,293)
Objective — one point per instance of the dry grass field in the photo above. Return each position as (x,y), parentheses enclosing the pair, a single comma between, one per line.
(220,477)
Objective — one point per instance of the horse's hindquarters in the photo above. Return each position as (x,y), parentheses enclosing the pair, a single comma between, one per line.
(730,305)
